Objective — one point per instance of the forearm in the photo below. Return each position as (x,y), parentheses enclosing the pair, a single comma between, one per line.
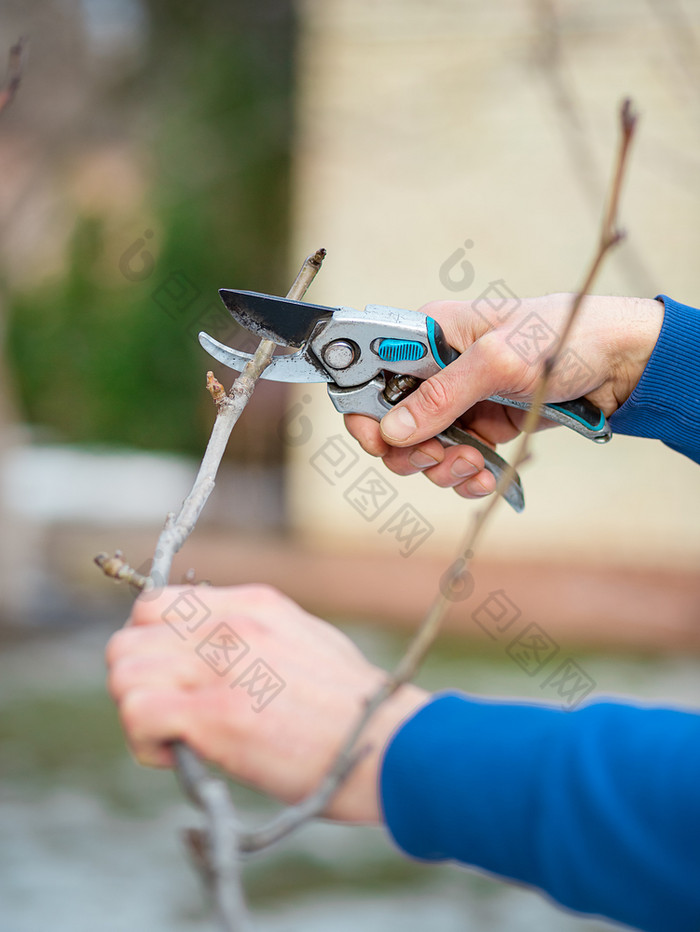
(598,807)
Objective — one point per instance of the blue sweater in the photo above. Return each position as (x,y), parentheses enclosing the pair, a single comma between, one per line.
(599,807)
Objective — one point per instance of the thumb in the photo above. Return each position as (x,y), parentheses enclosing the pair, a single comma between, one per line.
(481,371)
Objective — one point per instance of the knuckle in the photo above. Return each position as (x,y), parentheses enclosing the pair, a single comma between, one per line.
(433,309)
(432,397)
(264,592)
(465,490)
(117,646)
(261,595)
(143,609)
(456,320)
(119,679)
(442,311)
(366,432)
(356,426)
(440,479)
(374,444)
(400,468)
(502,358)
(397,462)
(134,711)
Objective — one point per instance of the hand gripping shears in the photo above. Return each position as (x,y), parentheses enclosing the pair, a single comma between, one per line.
(371,360)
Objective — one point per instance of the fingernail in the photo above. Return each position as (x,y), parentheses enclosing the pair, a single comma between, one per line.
(463,468)
(421,460)
(398,424)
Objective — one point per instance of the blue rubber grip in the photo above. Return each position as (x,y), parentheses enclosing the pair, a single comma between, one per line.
(393,350)
(583,411)
(443,353)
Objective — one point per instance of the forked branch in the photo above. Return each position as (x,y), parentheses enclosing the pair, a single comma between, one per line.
(216,848)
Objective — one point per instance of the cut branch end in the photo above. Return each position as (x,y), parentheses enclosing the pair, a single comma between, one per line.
(317,259)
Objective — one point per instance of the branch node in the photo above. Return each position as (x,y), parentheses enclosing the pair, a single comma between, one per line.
(118,569)
(215,389)
(196,842)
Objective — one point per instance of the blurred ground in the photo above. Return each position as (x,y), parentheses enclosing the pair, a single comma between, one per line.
(91,840)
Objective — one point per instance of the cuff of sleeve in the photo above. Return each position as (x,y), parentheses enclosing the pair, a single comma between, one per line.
(446,780)
(409,776)
(665,403)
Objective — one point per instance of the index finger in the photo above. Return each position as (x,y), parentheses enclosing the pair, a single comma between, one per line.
(366,431)
(461,324)
(171,603)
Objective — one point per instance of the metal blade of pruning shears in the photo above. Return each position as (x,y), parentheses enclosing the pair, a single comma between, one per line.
(297,367)
(287,322)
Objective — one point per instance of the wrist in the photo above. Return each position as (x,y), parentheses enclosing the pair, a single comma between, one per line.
(358,798)
(640,323)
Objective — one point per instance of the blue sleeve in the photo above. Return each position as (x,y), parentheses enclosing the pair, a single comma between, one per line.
(598,807)
(665,404)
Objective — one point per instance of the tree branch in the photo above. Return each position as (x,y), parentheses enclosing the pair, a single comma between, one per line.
(610,235)
(429,629)
(14,73)
(215,848)
(230,407)
(218,847)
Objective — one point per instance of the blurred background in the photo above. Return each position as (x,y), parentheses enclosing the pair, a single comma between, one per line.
(155,152)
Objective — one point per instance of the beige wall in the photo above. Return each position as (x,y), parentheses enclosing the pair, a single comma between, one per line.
(423,124)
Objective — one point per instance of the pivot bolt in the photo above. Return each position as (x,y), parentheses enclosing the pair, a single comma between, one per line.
(340,354)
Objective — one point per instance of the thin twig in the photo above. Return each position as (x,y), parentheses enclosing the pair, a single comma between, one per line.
(178,529)
(429,629)
(610,235)
(229,408)
(217,847)
(14,73)
(117,568)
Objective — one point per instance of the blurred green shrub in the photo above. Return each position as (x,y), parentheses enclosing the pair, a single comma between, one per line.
(99,357)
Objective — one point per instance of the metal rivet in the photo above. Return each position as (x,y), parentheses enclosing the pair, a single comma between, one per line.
(339,354)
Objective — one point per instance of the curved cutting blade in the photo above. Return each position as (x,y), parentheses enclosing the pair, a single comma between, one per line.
(279,319)
(293,368)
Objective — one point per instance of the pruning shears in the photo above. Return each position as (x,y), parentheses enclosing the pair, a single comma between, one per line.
(371,360)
